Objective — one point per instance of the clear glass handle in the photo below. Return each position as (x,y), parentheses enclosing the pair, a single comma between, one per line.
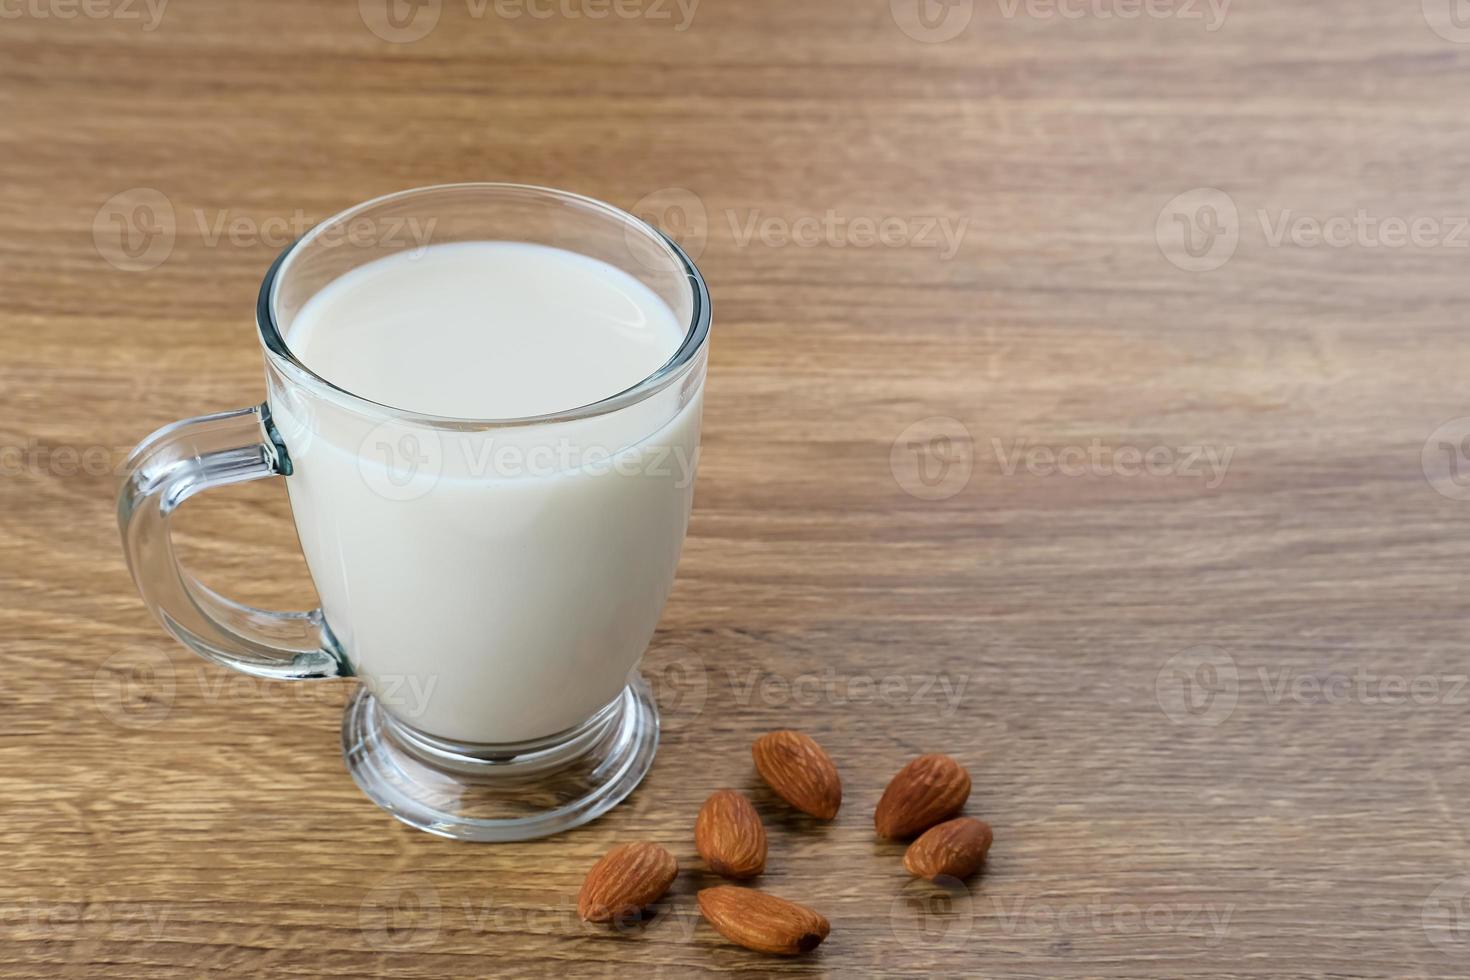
(168,468)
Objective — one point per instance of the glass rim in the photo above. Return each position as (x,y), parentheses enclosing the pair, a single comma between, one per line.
(695,337)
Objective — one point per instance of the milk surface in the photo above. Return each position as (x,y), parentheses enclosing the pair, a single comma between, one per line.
(485,330)
(489,585)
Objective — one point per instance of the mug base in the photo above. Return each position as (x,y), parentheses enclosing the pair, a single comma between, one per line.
(502,792)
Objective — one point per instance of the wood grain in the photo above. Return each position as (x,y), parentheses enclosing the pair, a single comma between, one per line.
(164,819)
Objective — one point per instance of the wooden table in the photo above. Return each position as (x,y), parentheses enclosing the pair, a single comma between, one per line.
(1135,495)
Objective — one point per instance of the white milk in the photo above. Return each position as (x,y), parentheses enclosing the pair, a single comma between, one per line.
(485,330)
(500,585)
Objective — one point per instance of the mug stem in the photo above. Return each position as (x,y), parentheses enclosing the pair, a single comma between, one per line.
(499,793)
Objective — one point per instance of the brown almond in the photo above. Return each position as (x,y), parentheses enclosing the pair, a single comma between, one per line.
(729,836)
(925,792)
(762,922)
(627,879)
(800,772)
(953,849)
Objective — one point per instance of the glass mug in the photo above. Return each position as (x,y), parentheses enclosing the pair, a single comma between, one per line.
(483,713)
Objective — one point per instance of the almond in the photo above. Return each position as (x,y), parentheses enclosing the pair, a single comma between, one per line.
(729,836)
(954,849)
(628,878)
(762,922)
(928,790)
(799,772)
